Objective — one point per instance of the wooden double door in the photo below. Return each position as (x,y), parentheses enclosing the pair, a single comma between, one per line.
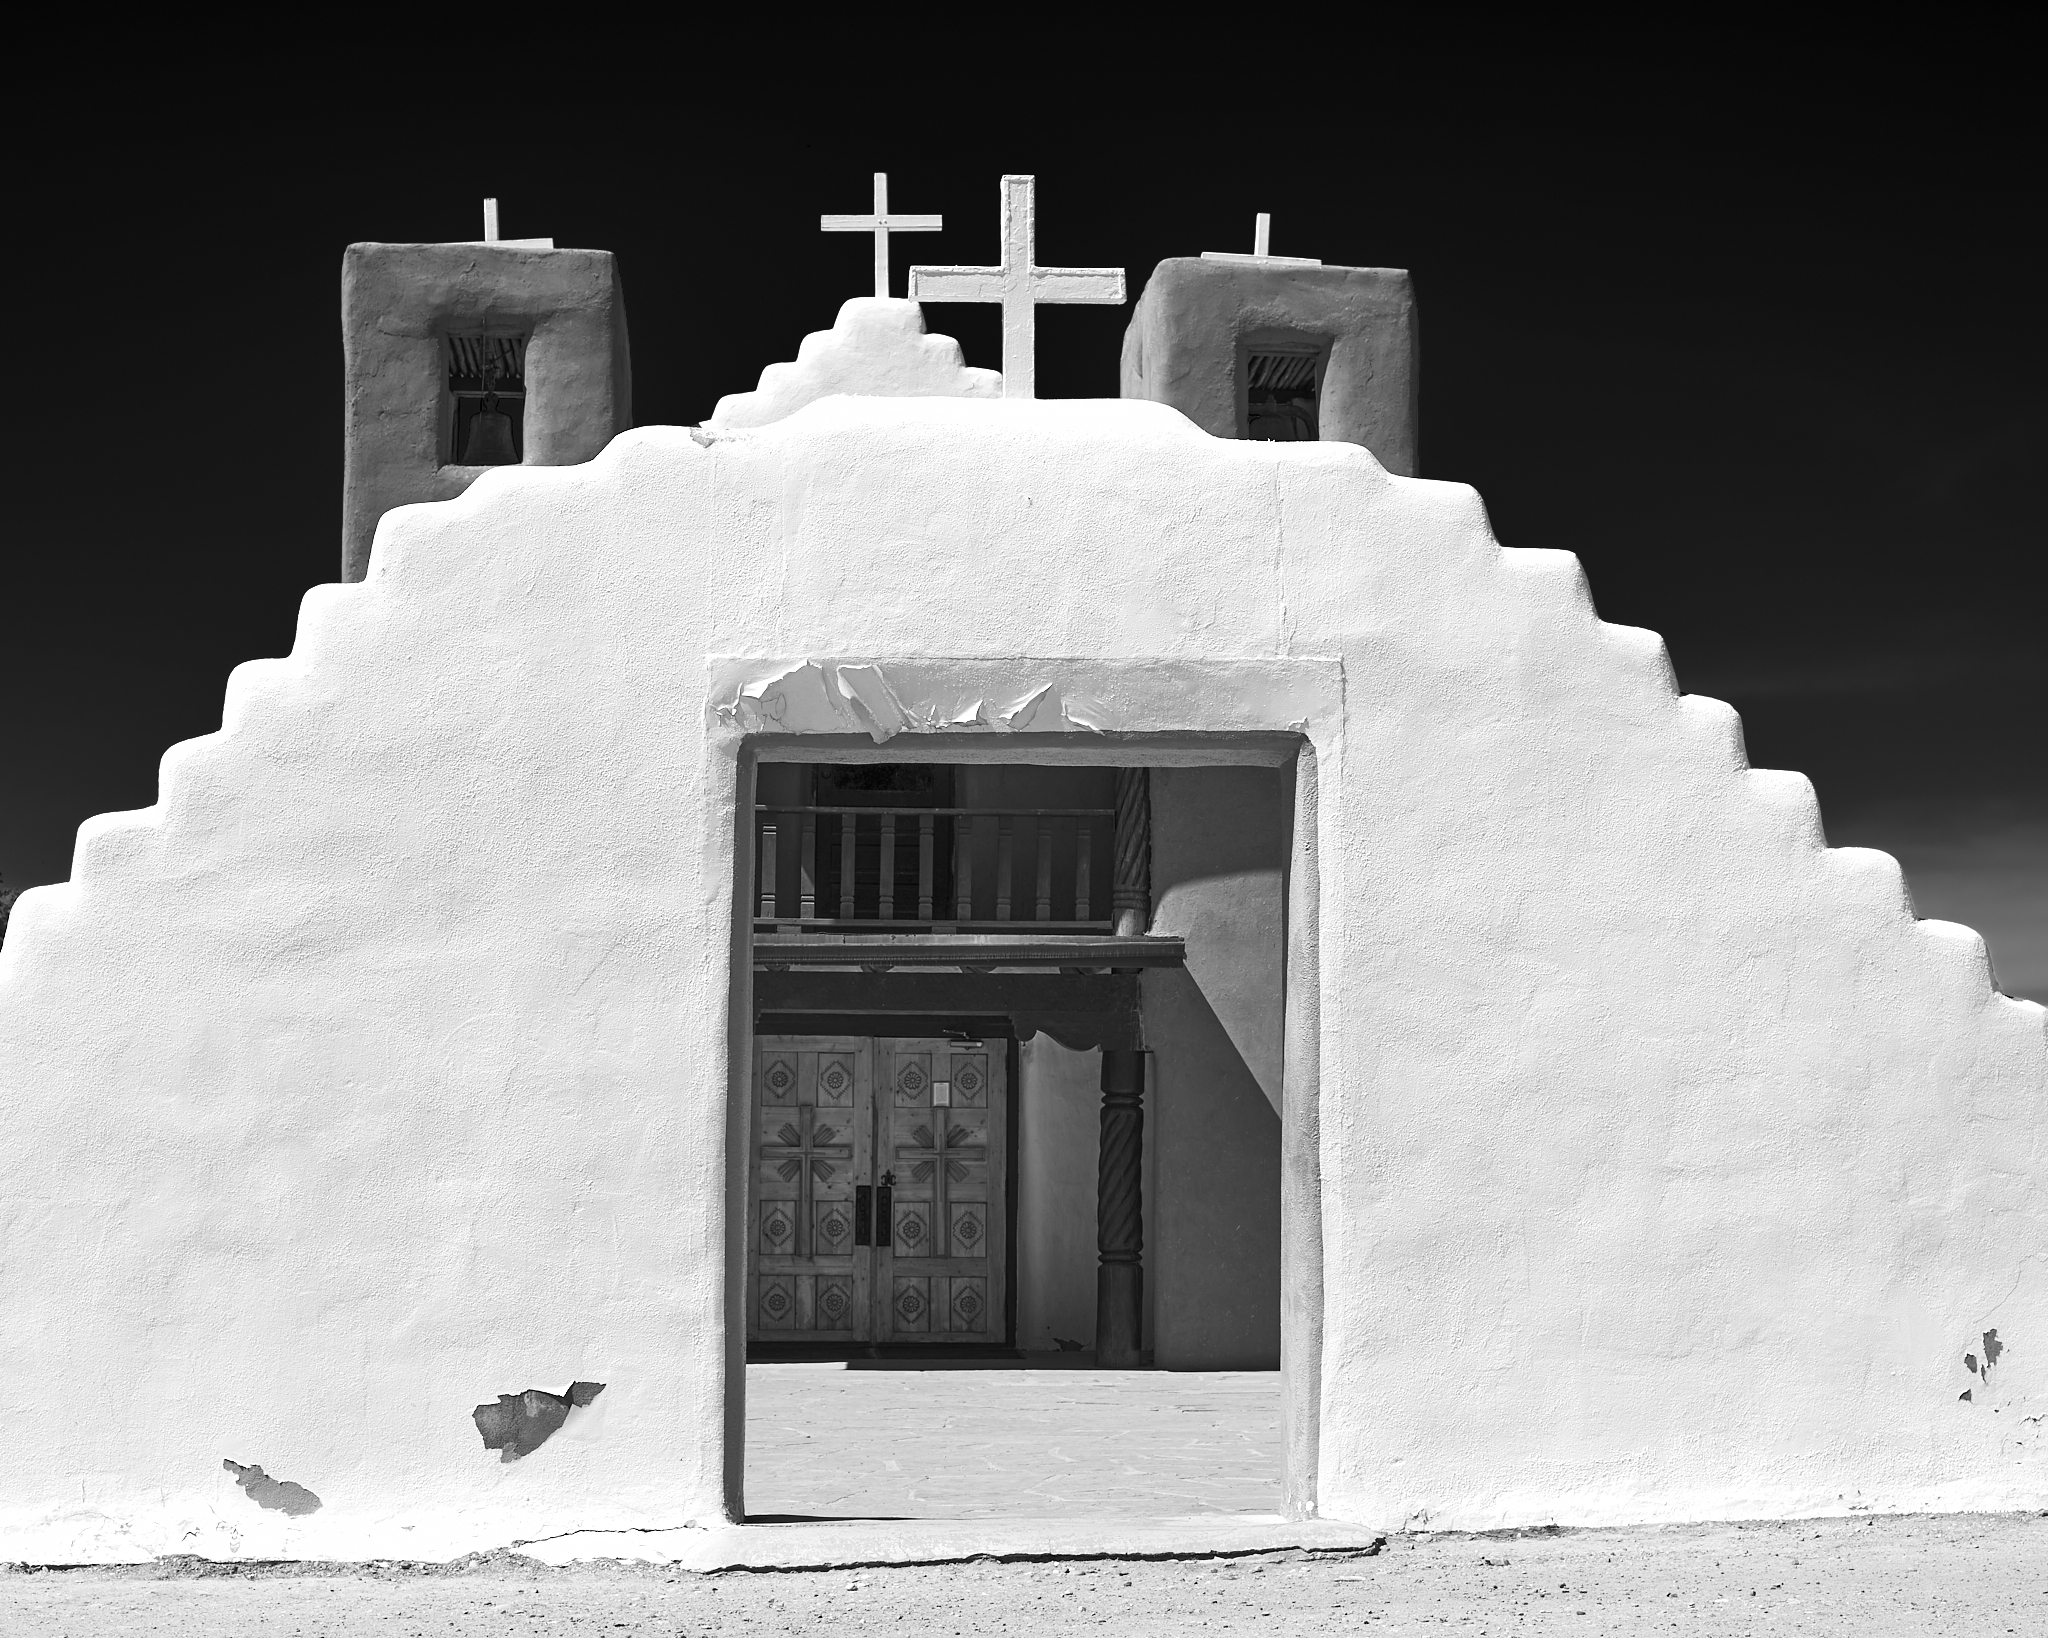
(878,1211)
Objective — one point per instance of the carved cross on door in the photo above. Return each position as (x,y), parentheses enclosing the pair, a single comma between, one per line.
(941,1152)
(807,1151)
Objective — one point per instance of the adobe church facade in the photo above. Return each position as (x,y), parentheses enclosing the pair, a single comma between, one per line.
(903,866)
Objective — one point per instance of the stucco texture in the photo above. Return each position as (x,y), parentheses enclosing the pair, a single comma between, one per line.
(1667,1167)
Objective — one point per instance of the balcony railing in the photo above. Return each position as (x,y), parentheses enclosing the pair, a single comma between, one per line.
(946,869)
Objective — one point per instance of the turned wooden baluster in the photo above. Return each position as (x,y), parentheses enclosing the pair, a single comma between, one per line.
(767,872)
(1084,849)
(963,867)
(924,867)
(887,907)
(807,870)
(1006,849)
(846,866)
(1044,827)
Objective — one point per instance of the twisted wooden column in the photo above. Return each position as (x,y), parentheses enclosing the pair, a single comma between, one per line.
(1131,889)
(1119,1212)
(1119,1188)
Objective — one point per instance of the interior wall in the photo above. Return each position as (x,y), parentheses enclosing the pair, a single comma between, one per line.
(1059,1097)
(1220,844)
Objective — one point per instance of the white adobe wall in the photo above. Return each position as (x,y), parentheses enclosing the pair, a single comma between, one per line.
(1670,1167)
(877,346)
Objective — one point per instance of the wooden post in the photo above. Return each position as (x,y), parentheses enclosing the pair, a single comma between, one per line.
(846,821)
(1119,1204)
(1131,893)
(1119,1213)
(767,858)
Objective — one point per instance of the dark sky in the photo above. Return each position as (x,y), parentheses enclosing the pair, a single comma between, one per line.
(1780,387)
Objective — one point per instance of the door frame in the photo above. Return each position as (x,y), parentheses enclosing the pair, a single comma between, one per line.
(1303,1298)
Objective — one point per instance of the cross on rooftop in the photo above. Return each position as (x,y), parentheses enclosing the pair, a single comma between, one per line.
(1019,284)
(1262,239)
(881,224)
(491,232)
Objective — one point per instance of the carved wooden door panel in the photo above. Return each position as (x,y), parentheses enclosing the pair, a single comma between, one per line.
(813,1136)
(940,1129)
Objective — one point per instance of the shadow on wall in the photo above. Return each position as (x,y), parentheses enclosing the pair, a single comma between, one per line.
(1215,1266)
(1221,839)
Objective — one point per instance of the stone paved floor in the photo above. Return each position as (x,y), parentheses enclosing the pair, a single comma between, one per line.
(826,1441)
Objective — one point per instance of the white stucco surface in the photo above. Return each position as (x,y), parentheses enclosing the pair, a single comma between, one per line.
(877,346)
(1668,1167)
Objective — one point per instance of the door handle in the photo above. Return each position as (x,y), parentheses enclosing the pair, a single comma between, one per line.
(863,1214)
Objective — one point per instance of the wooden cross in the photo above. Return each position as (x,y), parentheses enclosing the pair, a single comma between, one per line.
(1019,284)
(880,224)
(803,1154)
(1262,239)
(491,232)
(933,1149)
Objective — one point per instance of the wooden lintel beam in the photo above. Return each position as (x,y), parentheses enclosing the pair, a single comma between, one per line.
(1048,993)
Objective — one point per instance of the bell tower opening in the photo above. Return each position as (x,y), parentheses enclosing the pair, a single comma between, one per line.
(1283,386)
(487,400)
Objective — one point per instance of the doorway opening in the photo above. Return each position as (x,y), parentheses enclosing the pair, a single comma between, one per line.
(1014,1167)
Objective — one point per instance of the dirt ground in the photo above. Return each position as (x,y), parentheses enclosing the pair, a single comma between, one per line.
(1955,1574)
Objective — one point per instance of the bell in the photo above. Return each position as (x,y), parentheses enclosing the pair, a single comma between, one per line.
(490,437)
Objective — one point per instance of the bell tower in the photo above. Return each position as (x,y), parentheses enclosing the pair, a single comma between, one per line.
(1281,348)
(461,357)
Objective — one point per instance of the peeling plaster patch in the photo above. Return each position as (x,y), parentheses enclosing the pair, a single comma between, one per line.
(1083,712)
(870,700)
(884,698)
(1021,713)
(1968,1394)
(279,1495)
(1992,1349)
(831,698)
(519,1424)
(1970,1363)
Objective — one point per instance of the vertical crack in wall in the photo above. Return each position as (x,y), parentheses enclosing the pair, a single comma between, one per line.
(279,1495)
(520,1423)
